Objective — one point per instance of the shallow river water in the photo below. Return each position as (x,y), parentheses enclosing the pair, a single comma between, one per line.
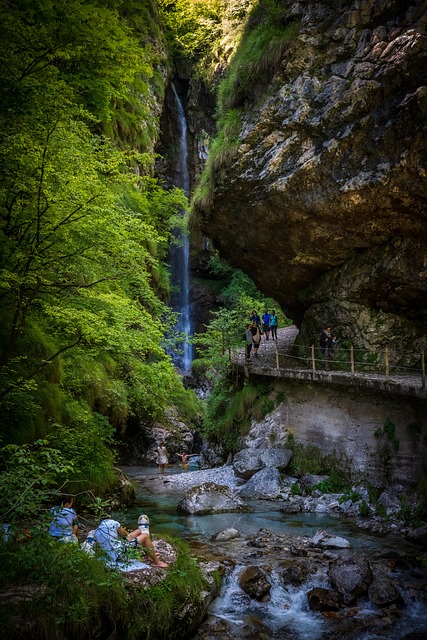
(286,615)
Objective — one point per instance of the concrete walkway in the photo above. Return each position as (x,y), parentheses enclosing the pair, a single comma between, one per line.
(265,364)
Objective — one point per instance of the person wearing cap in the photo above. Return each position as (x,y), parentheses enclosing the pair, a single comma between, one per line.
(142,536)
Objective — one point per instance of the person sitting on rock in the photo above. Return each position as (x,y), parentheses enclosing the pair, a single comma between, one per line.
(107,536)
(65,525)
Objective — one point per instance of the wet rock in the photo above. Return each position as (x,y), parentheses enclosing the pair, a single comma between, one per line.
(210,498)
(264,484)
(293,506)
(320,599)
(263,538)
(246,463)
(352,577)
(325,540)
(227,534)
(297,572)
(383,592)
(297,550)
(254,582)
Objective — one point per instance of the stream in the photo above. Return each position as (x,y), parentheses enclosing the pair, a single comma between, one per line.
(286,615)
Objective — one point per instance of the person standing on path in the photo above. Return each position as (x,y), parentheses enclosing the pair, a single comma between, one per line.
(249,342)
(162,457)
(255,317)
(266,324)
(326,346)
(256,337)
(273,325)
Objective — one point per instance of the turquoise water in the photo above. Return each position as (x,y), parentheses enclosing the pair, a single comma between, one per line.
(161,505)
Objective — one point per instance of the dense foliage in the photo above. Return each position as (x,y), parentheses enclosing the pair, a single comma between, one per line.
(204,31)
(53,590)
(84,230)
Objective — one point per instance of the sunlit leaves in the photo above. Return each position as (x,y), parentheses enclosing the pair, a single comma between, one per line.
(84,229)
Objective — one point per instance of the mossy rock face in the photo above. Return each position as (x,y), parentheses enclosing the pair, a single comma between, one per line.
(330,165)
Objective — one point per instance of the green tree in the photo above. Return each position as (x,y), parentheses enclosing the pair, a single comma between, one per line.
(84,228)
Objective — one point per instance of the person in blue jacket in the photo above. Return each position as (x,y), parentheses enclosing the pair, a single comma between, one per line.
(266,324)
(65,525)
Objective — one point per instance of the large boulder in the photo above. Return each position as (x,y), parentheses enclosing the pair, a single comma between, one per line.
(320,599)
(352,577)
(275,457)
(249,461)
(210,498)
(325,540)
(270,431)
(265,484)
(330,156)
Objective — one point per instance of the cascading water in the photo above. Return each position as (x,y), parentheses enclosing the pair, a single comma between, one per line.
(179,255)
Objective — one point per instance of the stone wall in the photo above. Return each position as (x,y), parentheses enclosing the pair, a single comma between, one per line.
(343,421)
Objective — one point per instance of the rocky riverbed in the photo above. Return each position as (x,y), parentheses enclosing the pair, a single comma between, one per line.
(317,586)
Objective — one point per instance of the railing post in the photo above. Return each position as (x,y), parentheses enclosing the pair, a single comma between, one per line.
(423,371)
(352,359)
(313,358)
(387,367)
(277,356)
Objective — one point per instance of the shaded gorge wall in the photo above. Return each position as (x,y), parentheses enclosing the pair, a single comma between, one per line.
(379,436)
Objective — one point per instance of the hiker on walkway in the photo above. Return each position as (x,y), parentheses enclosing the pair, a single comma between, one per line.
(256,337)
(254,317)
(266,324)
(273,325)
(249,342)
(325,340)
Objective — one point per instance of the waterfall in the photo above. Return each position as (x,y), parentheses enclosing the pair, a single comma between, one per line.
(179,255)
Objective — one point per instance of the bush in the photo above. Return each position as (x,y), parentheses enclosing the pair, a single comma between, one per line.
(53,590)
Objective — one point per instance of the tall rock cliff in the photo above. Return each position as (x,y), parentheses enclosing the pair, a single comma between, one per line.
(323,198)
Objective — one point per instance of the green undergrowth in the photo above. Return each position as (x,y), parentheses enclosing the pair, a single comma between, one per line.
(310,459)
(54,591)
(160,606)
(229,411)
